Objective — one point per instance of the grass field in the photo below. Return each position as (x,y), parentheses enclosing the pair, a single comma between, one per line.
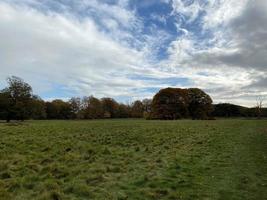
(134,159)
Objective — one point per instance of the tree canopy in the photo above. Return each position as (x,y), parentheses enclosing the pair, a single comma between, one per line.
(176,103)
(170,103)
(16,99)
(200,104)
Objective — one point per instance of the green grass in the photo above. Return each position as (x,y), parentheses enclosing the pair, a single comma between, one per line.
(134,159)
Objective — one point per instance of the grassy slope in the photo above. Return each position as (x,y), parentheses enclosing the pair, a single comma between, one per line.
(134,159)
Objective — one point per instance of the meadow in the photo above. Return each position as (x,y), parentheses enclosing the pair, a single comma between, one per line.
(134,159)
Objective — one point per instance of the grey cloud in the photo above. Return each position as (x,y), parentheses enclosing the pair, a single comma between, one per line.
(56,47)
(248,44)
(259,84)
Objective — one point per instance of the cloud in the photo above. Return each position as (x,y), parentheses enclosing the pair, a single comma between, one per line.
(105,48)
(234,48)
(220,13)
(247,47)
(62,50)
(189,9)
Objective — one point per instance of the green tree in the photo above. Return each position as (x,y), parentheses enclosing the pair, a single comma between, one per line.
(37,108)
(58,109)
(200,104)
(231,110)
(4,105)
(18,97)
(124,111)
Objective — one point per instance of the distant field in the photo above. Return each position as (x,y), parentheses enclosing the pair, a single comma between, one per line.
(134,159)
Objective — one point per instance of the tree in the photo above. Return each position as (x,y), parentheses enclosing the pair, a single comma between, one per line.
(200,104)
(175,103)
(124,111)
(147,105)
(76,108)
(170,103)
(259,106)
(18,97)
(110,107)
(37,109)
(137,109)
(93,108)
(58,109)
(230,110)
(4,105)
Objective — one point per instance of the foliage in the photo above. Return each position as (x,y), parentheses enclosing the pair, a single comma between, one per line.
(170,103)
(176,103)
(228,110)
(17,102)
(37,108)
(16,99)
(124,111)
(110,107)
(76,107)
(137,109)
(93,108)
(58,109)
(200,104)
(231,110)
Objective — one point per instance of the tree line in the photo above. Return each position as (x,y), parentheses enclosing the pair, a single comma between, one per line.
(230,110)
(17,102)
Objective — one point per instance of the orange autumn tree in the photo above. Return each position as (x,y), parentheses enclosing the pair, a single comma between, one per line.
(177,103)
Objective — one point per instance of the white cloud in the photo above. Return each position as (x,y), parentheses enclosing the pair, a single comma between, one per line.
(90,47)
(222,12)
(60,50)
(189,9)
(234,52)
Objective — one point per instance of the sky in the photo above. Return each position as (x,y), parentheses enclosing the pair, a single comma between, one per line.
(130,49)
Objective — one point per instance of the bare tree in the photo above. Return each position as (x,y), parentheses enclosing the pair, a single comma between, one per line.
(259,106)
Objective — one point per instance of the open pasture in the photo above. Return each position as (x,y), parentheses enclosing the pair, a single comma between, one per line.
(134,159)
